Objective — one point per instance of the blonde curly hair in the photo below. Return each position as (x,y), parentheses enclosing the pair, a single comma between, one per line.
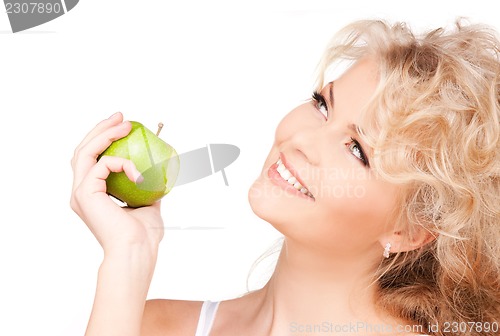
(433,124)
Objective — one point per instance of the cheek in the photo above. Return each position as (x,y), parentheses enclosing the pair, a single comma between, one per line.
(351,217)
(361,205)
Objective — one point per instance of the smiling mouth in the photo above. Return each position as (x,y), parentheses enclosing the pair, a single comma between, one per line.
(287,176)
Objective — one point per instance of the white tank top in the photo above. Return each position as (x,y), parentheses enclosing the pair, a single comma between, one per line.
(207,317)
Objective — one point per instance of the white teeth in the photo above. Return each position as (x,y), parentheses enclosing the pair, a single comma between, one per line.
(287,176)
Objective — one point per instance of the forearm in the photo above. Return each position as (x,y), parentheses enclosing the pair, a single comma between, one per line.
(122,287)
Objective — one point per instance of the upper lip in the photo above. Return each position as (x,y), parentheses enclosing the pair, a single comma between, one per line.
(292,170)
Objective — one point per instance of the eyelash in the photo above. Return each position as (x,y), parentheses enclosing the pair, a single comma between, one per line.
(361,154)
(320,103)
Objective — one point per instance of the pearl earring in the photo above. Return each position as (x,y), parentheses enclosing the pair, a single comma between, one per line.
(387,250)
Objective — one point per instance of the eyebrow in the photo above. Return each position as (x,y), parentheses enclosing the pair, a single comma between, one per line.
(355,128)
(331,98)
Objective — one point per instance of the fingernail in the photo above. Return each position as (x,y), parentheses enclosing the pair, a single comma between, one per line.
(113,115)
(139,179)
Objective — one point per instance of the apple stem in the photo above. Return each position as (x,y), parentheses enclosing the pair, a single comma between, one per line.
(160,126)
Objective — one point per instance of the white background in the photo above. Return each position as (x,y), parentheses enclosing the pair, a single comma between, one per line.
(213,72)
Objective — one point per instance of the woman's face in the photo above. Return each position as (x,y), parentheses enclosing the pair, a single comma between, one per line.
(342,207)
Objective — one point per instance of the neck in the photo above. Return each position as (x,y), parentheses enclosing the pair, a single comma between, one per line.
(310,290)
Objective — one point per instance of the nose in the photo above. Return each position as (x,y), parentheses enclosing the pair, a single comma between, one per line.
(306,143)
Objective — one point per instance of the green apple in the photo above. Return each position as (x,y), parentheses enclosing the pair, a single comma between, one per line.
(156,160)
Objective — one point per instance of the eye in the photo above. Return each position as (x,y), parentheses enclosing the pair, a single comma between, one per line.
(320,104)
(355,148)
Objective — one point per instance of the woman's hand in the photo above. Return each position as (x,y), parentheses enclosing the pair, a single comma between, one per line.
(115,228)
(129,237)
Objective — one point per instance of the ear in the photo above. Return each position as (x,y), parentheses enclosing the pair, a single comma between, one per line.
(403,241)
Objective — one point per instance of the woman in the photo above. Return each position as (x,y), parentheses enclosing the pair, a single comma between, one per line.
(385,186)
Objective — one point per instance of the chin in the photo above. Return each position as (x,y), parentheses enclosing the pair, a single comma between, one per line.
(270,208)
(257,199)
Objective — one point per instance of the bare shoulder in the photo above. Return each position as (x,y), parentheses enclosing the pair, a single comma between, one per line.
(170,317)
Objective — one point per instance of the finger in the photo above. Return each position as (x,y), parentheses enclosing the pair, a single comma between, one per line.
(87,155)
(114,119)
(95,181)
